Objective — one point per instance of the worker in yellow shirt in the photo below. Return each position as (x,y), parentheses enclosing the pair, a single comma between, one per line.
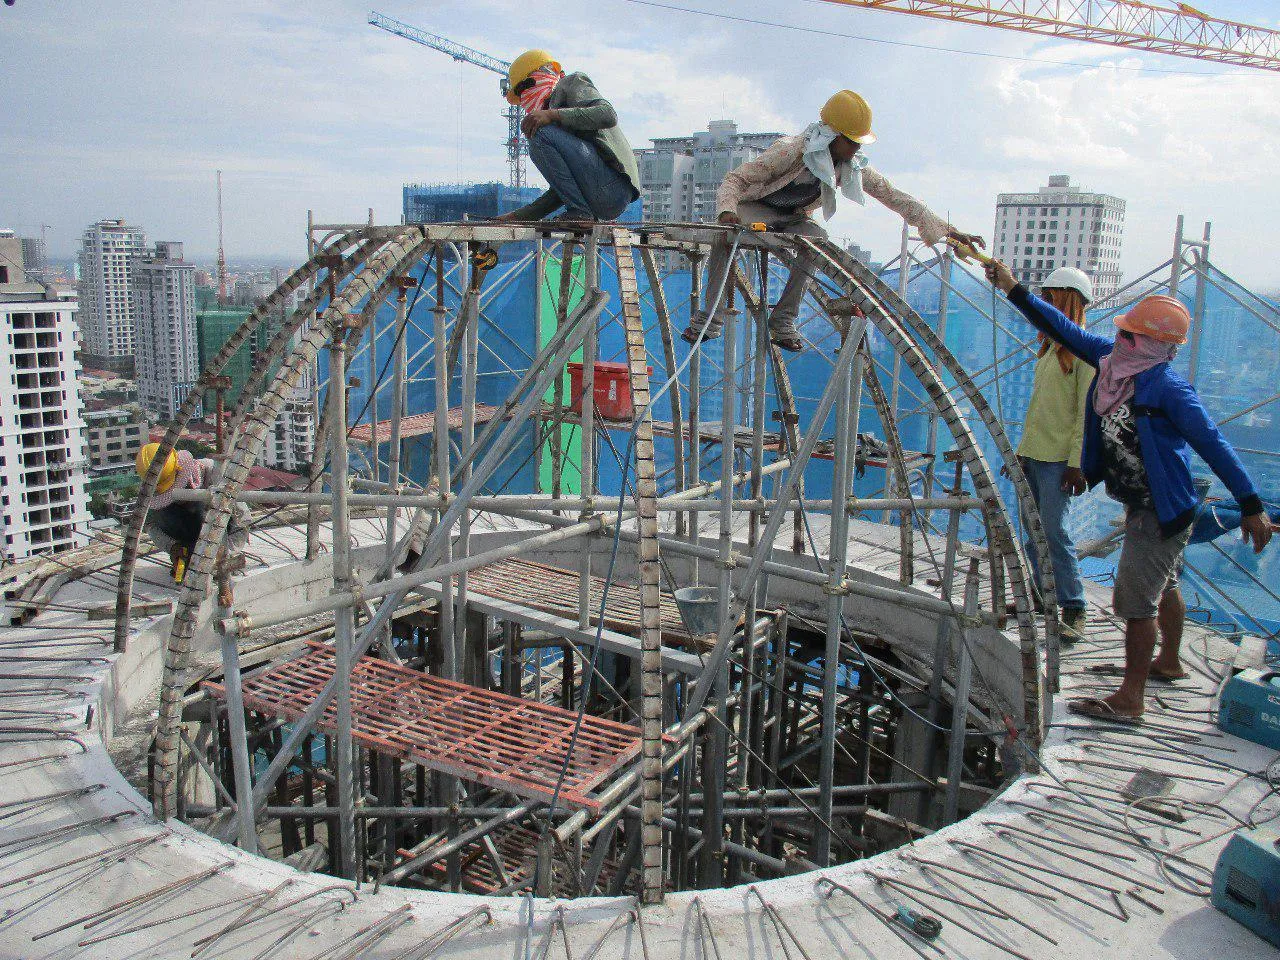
(1049,450)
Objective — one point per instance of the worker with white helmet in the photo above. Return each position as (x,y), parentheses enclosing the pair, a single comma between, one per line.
(574,141)
(1142,420)
(785,185)
(1052,436)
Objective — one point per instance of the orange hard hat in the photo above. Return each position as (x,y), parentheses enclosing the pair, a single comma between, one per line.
(1160,317)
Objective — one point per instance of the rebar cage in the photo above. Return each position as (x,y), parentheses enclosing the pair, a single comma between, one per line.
(463,610)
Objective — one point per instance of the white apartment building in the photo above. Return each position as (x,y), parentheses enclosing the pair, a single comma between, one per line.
(43,504)
(106,308)
(167,357)
(291,440)
(679,176)
(1061,226)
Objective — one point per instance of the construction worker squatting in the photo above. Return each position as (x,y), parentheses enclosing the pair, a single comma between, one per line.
(174,526)
(574,141)
(784,186)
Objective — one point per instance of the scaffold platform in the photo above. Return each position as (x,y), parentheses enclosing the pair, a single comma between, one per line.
(478,735)
(554,590)
(516,847)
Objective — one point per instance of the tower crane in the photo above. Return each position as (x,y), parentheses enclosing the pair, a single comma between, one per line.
(517,149)
(1180,29)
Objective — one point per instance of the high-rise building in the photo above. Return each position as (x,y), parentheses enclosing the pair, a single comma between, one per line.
(1061,226)
(106,306)
(43,504)
(113,438)
(452,202)
(36,259)
(214,327)
(679,176)
(167,352)
(291,439)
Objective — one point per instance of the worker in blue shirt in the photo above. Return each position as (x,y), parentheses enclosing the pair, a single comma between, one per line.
(1142,420)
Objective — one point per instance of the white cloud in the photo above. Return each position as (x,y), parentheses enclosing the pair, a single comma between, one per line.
(127,109)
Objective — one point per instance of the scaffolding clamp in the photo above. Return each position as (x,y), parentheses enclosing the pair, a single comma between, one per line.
(243,624)
(840,589)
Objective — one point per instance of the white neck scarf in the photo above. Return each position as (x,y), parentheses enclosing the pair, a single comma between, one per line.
(817,158)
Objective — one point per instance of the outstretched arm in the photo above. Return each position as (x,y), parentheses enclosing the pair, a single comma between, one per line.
(933,229)
(1181,404)
(1047,318)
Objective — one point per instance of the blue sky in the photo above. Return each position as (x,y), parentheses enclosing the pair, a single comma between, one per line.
(126,109)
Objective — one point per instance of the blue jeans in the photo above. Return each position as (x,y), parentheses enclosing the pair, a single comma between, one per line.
(1046,489)
(579,175)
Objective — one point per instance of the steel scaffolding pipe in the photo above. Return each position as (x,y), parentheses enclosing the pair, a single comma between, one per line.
(709,717)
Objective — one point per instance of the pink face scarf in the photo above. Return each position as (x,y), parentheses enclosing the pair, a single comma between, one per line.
(544,81)
(1119,368)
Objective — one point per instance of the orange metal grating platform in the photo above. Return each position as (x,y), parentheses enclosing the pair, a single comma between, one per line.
(475,734)
(540,586)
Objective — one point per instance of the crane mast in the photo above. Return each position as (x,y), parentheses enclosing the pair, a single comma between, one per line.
(517,149)
(222,257)
(1179,30)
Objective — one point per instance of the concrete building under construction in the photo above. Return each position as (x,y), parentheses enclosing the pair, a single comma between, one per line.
(742,684)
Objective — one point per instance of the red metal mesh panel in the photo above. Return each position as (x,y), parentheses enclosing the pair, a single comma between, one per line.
(517,847)
(478,735)
(555,590)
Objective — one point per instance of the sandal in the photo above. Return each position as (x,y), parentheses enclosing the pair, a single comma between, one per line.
(1115,670)
(690,335)
(793,343)
(1097,709)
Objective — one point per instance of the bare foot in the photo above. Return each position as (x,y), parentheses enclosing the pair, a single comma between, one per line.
(1166,670)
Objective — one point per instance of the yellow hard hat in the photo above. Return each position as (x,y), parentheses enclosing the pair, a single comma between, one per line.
(523,66)
(848,114)
(167,475)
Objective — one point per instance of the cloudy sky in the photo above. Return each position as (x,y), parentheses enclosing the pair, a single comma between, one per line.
(126,109)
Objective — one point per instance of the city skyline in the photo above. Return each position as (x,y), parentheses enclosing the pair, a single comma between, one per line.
(969,128)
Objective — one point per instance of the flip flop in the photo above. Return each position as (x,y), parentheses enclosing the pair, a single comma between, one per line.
(690,335)
(1115,670)
(1096,709)
(793,344)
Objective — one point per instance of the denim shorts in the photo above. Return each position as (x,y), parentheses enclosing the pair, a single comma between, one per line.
(1149,565)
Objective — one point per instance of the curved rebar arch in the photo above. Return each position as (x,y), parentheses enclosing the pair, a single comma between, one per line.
(356,285)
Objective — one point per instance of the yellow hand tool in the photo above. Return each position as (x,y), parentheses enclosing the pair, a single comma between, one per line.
(179,570)
(965,251)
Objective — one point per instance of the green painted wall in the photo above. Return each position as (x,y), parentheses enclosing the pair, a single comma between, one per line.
(570,435)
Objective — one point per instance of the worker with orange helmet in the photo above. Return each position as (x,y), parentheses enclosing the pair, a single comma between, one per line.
(785,185)
(574,141)
(1142,420)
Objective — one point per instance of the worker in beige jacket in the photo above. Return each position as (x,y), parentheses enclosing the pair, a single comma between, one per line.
(787,183)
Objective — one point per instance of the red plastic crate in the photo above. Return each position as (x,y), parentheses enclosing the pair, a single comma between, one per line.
(612,390)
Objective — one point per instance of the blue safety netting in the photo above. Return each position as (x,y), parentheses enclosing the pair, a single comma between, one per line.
(1238,365)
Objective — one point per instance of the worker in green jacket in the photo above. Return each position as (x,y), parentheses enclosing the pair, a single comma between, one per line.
(574,141)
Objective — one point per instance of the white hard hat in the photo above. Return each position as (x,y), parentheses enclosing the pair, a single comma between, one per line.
(1069,278)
